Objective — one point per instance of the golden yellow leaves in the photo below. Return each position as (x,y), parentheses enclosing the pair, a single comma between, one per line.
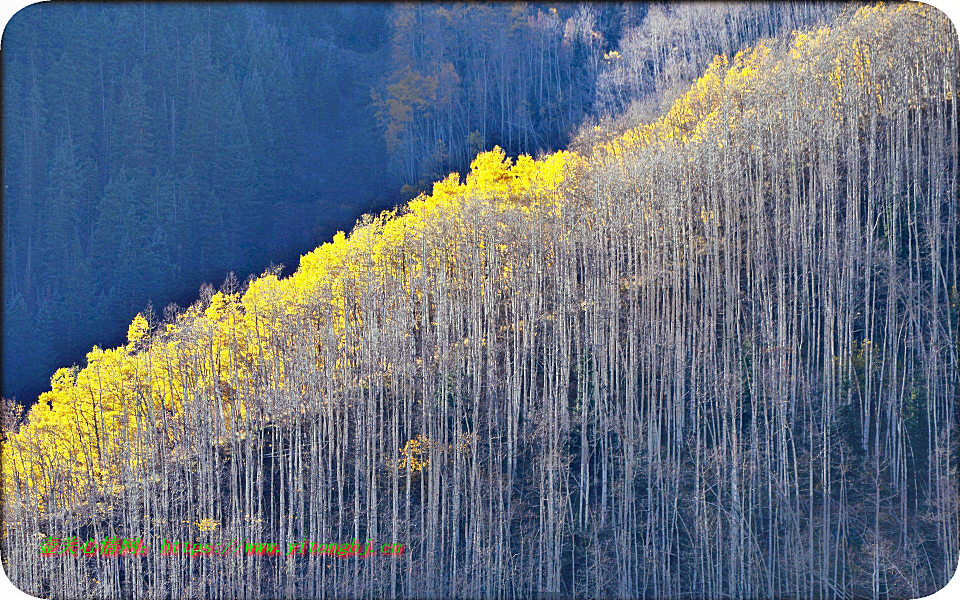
(262,296)
(415,453)
(693,113)
(207,524)
(89,422)
(447,189)
(64,378)
(218,308)
(138,329)
(851,71)
(490,173)
(723,94)
(745,69)
(493,175)
(805,44)
(704,95)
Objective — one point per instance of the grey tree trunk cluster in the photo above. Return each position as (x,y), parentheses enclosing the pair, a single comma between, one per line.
(721,363)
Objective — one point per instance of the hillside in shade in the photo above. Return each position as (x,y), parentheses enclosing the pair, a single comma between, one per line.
(712,355)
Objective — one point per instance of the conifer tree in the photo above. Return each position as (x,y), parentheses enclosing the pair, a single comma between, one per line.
(112,221)
(237,181)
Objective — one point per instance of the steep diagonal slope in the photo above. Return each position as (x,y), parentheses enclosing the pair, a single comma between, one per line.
(714,357)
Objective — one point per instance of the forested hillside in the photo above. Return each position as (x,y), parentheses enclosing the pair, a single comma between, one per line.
(149,148)
(711,355)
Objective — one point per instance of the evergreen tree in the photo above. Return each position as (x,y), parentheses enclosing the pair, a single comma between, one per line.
(35,161)
(132,139)
(79,294)
(109,228)
(19,340)
(158,265)
(236,177)
(212,237)
(47,333)
(261,131)
(202,114)
(58,223)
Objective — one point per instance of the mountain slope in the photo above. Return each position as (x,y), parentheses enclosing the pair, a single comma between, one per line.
(715,356)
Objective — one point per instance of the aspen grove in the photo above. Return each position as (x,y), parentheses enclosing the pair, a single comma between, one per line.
(714,355)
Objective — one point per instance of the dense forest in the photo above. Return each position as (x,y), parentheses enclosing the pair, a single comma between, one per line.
(149,148)
(709,350)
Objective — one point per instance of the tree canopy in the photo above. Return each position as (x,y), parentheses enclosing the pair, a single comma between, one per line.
(714,354)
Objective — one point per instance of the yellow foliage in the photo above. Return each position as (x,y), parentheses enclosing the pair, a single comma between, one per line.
(207,524)
(82,433)
(88,422)
(138,329)
(415,453)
